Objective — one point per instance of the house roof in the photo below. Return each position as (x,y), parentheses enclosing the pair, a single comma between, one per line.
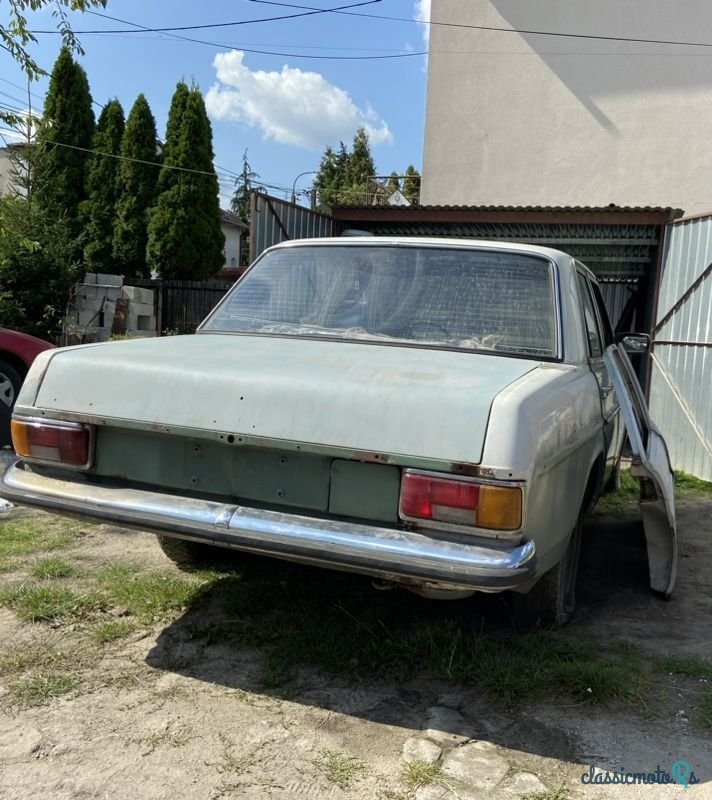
(232,219)
(611,214)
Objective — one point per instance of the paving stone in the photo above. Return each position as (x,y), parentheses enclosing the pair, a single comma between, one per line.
(526,783)
(447,727)
(418,749)
(476,764)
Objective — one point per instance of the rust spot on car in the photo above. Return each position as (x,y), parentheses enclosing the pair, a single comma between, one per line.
(374,458)
(459,468)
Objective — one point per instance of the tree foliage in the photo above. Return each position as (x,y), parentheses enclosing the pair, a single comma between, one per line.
(411,185)
(137,176)
(35,275)
(343,177)
(16,35)
(240,203)
(185,239)
(346,177)
(102,189)
(64,140)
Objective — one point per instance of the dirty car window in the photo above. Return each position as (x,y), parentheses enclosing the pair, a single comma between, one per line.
(468,299)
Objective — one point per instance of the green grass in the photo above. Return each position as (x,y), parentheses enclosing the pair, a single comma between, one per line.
(148,596)
(112,631)
(690,666)
(24,537)
(38,689)
(562,793)
(30,657)
(339,769)
(687,487)
(42,603)
(52,567)
(704,708)
(339,625)
(419,773)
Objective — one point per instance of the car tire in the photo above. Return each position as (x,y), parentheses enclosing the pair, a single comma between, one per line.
(10,383)
(190,556)
(552,601)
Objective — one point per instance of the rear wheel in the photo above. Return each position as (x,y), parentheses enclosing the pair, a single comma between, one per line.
(552,600)
(190,556)
(10,383)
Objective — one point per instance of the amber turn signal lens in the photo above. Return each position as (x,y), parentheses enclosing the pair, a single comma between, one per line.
(20,438)
(500,508)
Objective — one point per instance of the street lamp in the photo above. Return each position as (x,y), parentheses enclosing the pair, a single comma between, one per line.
(301,175)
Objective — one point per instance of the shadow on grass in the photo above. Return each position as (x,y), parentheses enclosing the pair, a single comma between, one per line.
(319,637)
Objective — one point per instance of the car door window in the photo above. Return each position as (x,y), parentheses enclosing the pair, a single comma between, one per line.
(593,335)
(606,328)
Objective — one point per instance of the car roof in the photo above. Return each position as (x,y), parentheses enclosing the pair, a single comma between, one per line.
(558,256)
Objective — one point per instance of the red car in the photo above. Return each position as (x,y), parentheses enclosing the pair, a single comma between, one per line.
(17,352)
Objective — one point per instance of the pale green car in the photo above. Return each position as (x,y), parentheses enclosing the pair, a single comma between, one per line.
(436,414)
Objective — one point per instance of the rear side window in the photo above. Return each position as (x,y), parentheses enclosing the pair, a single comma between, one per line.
(603,316)
(593,335)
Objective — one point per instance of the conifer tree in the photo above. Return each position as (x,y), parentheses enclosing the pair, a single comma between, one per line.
(64,140)
(185,240)
(136,186)
(411,185)
(102,188)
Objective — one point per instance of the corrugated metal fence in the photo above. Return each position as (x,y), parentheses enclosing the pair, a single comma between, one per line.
(275,221)
(681,357)
(182,305)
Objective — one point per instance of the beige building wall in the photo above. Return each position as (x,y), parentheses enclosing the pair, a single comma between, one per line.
(523,119)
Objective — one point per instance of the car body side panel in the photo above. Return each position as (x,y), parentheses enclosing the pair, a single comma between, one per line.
(546,429)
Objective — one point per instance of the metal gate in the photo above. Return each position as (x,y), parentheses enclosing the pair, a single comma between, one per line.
(180,306)
(273,221)
(681,355)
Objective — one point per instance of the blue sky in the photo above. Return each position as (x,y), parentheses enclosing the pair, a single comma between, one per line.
(283,109)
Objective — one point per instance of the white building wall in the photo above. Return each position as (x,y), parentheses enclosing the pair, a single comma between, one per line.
(232,245)
(5,173)
(523,119)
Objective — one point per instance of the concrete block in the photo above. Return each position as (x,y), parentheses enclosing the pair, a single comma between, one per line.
(109,280)
(88,317)
(140,322)
(141,309)
(86,291)
(137,294)
(90,277)
(109,292)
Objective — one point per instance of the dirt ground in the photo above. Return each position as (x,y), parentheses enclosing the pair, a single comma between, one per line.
(174,713)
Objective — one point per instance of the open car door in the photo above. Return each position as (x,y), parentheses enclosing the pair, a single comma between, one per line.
(651,465)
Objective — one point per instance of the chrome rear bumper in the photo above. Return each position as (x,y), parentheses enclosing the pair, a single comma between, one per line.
(405,556)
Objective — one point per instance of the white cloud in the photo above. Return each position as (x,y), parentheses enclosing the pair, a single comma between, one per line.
(421,13)
(291,106)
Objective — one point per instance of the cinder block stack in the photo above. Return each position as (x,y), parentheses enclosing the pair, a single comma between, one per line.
(95,304)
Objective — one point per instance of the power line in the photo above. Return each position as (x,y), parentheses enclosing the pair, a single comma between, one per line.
(138,28)
(308,13)
(221,174)
(493,27)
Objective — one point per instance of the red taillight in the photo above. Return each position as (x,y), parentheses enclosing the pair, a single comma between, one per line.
(460,502)
(66,444)
(425,497)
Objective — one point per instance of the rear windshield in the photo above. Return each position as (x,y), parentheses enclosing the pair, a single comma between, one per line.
(441,297)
